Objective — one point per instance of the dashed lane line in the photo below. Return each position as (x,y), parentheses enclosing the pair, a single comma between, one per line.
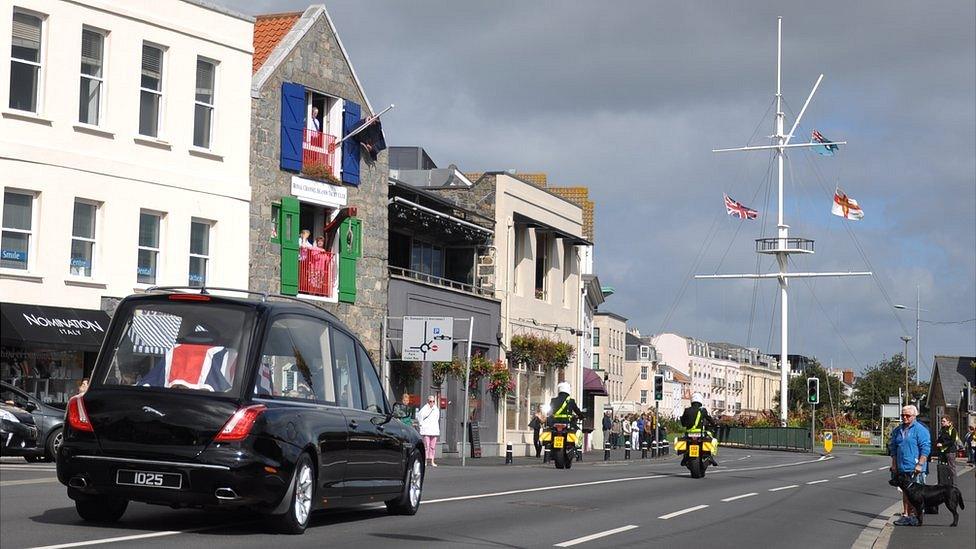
(682,512)
(868,471)
(848,476)
(597,535)
(783,488)
(733,498)
(818,481)
(883,468)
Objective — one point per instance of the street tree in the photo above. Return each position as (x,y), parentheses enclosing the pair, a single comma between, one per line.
(831,391)
(877,383)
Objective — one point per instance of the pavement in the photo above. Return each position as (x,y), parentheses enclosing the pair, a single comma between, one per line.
(772,499)
(454,460)
(936,533)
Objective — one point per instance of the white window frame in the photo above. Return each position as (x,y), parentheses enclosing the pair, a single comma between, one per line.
(645,352)
(93,241)
(208,257)
(102,86)
(42,52)
(643,372)
(158,250)
(643,396)
(212,105)
(161,108)
(31,240)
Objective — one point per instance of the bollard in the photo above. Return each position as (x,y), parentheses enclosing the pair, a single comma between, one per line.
(627,448)
(508,454)
(654,449)
(606,451)
(644,450)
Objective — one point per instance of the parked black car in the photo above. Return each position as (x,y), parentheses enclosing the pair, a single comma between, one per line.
(18,434)
(48,419)
(199,400)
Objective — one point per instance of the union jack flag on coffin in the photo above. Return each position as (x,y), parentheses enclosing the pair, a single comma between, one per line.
(738,210)
(194,366)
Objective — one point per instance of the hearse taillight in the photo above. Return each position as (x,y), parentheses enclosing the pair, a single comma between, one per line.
(239,425)
(78,416)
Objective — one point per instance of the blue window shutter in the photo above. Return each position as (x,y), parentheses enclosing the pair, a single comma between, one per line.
(292,125)
(350,147)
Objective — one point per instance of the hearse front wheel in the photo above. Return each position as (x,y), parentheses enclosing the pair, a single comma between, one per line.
(409,501)
(101,508)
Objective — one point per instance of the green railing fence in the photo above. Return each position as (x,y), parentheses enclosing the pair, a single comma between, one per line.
(772,438)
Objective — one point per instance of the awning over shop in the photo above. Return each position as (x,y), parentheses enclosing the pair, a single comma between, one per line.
(593,384)
(54,327)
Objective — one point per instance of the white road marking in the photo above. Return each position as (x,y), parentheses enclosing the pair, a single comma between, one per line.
(681,512)
(733,498)
(783,488)
(597,535)
(883,468)
(866,472)
(745,457)
(26,468)
(848,476)
(122,538)
(541,489)
(27,481)
(817,481)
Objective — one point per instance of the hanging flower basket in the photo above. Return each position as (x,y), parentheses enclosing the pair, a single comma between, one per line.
(407,371)
(500,382)
(481,367)
(533,352)
(442,370)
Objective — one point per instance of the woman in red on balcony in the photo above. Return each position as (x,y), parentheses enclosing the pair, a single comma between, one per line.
(320,242)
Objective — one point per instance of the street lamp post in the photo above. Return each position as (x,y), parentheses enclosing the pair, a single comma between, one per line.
(917,309)
(906,339)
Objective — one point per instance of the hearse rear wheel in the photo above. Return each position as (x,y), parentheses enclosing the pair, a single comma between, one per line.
(295,519)
(101,508)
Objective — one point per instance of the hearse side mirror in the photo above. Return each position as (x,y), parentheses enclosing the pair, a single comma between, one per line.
(399,410)
(30,406)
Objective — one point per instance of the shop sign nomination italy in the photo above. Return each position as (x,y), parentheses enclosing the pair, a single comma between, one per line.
(428,338)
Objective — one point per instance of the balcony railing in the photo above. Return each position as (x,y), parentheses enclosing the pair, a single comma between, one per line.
(318,149)
(439,281)
(791,245)
(316,272)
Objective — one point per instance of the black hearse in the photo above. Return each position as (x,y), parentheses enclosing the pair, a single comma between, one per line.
(200,400)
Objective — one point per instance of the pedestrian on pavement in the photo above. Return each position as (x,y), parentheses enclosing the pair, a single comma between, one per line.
(945,448)
(641,419)
(615,432)
(635,430)
(430,427)
(607,426)
(626,428)
(538,420)
(909,448)
(971,445)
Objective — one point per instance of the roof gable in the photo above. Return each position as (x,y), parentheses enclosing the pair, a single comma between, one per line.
(268,31)
(951,373)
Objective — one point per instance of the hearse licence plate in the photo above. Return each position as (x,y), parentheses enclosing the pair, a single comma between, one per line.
(173,481)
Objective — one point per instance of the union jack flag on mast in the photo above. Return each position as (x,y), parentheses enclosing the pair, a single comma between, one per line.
(736,209)
(829,146)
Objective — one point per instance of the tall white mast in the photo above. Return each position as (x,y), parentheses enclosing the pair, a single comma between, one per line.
(783,245)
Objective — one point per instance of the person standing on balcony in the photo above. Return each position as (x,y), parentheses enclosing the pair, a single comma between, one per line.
(314,123)
(320,242)
(304,238)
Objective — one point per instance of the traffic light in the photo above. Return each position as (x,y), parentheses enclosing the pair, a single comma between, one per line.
(813,390)
(658,387)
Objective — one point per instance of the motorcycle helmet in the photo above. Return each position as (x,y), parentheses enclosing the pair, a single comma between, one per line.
(697,397)
(564,387)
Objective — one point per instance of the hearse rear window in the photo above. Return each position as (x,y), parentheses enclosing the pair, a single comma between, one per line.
(181,346)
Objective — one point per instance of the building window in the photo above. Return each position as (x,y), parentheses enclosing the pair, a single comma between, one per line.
(645,352)
(25,61)
(150,90)
(83,239)
(427,258)
(596,361)
(643,396)
(92,77)
(18,220)
(596,337)
(643,372)
(148,247)
(203,109)
(541,265)
(199,252)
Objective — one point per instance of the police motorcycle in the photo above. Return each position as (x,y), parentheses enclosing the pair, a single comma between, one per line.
(561,437)
(696,447)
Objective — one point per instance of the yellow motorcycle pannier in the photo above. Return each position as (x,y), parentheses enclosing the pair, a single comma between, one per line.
(708,446)
(680,445)
(571,437)
(545,436)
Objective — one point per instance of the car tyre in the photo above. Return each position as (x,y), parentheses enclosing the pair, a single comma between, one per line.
(295,520)
(413,485)
(54,441)
(101,508)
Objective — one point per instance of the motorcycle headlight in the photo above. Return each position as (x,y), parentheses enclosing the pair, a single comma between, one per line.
(8,416)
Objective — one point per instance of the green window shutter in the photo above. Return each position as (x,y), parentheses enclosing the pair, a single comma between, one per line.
(350,250)
(288,232)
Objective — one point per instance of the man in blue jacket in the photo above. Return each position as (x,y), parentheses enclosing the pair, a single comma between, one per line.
(909,448)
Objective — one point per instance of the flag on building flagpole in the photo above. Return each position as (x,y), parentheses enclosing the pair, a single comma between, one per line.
(845,206)
(738,210)
(826,150)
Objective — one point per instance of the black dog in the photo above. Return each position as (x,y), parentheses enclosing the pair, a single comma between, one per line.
(922,496)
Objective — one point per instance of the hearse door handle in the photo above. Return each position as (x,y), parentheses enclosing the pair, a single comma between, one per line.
(353,424)
(381,428)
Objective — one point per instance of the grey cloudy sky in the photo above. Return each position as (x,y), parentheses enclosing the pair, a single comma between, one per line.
(628,98)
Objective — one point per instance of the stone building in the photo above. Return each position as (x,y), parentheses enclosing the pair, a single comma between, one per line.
(306,99)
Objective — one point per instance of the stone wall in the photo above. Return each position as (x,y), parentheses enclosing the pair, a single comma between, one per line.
(318,63)
(475,198)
